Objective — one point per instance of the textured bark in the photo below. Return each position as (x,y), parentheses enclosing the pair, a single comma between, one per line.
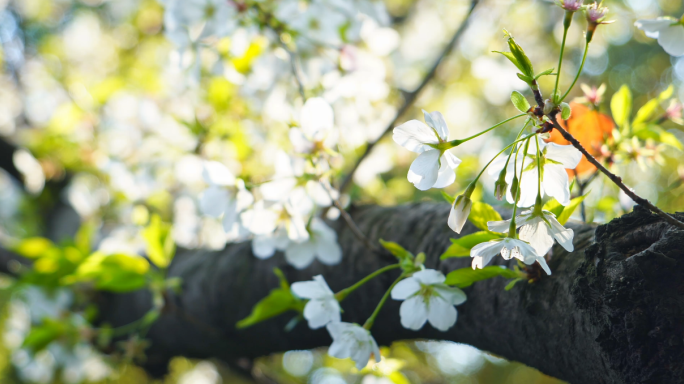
(611,313)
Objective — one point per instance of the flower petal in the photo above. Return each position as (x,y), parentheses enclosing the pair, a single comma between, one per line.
(562,235)
(436,121)
(567,155)
(429,277)
(213,201)
(215,173)
(499,226)
(459,213)
(317,118)
(556,183)
(453,295)
(446,175)
(405,289)
(653,27)
(413,313)
(299,141)
(441,314)
(424,169)
(300,255)
(278,189)
(672,40)
(536,232)
(321,312)
(311,289)
(413,135)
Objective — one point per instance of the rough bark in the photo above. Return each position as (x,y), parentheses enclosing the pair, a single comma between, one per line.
(612,312)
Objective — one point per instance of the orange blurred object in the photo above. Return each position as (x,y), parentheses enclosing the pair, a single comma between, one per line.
(590,127)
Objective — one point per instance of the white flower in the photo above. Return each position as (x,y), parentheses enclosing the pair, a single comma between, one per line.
(226,196)
(458,215)
(538,230)
(669,32)
(555,159)
(323,307)
(316,127)
(316,21)
(433,168)
(274,227)
(211,17)
(322,245)
(352,340)
(427,298)
(509,248)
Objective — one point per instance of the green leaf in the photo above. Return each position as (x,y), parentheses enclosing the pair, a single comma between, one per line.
(524,78)
(159,243)
(41,336)
(667,93)
(465,277)
(660,135)
(545,73)
(512,283)
(646,112)
(522,61)
(279,300)
(481,213)
(554,207)
(450,199)
(35,247)
(115,273)
(567,212)
(520,102)
(397,250)
(566,111)
(84,237)
(461,247)
(621,107)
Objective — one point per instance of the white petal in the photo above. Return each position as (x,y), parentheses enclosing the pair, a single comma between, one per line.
(216,173)
(529,187)
(424,169)
(296,229)
(499,226)
(259,221)
(537,234)
(567,155)
(213,201)
(328,250)
(441,314)
(230,215)
(361,353)
(488,249)
(413,135)
(375,349)
(672,40)
(413,313)
(429,277)
(300,255)
(317,118)
(453,295)
(562,235)
(278,189)
(318,193)
(436,121)
(405,289)
(341,348)
(263,247)
(446,175)
(544,266)
(311,289)
(321,312)
(652,27)
(556,183)
(300,143)
(337,330)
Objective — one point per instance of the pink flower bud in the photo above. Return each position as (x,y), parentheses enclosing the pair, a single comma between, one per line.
(571,5)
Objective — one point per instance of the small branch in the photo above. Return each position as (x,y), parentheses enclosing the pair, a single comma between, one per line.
(411,97)
(355,228)
(613,177)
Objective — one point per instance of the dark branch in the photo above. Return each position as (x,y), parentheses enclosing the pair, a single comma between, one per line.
(610,313)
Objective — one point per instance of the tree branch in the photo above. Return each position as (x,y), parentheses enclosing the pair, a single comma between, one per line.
(411,97)
(610,313)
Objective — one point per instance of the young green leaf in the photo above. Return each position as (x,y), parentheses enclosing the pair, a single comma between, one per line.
(481,213)
(35,247)
(512,283)
(397,250)
(545,73)
(570,208)
(279,300)
(159,243)
(465,277)
(520,102)
(461,247)
(115,273)
(621,107)
(566,111)
(554,207)
(42,335)
(660,135)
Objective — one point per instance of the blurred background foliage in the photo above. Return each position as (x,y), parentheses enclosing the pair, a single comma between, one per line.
(98,96)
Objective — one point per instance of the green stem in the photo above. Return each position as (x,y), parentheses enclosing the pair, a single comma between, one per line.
(369,323)
(455,143)
(498,154)
(527,122)
(341,295)
(566,26)
(511,229)
(579,72)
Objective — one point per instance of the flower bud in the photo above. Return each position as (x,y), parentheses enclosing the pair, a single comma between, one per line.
(514,185)
(571,5)
(596,13)
(459,212)
(548,106)
(500,185)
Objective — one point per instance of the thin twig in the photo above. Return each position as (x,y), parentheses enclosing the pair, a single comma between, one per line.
(411,97)
(295,72)
(617,180)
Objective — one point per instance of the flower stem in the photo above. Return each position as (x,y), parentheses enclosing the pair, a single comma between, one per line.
(369,323)
(579,72)
(511,229)
(566,25)
(455,143)
(499,154)
(341,295)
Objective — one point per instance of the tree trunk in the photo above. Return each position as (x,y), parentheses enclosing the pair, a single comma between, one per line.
(612,312)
